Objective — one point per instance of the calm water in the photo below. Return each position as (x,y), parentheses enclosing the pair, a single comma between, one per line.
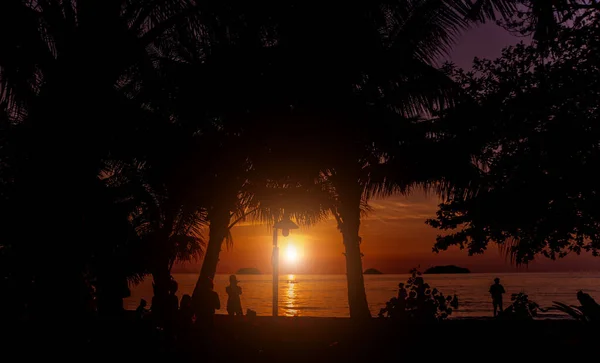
(326,295)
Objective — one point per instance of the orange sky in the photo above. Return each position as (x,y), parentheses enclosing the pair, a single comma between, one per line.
(395,236)
(395,239)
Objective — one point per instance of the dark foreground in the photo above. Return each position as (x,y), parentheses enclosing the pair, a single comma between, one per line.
(307,340)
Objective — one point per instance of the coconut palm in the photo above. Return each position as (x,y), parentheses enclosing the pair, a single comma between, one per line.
(235,184)
(238,187)
(167,220)
(373,63)
(356,106)
(62,75)
(374,69)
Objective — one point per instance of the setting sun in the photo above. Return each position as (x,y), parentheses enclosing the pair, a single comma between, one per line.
(291,253)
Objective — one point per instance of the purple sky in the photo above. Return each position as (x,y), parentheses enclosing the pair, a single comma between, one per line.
(485,41)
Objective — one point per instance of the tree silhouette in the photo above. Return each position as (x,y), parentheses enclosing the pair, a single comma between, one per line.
(65,79)
(358,86)
(537,18)
(234,176)
(126,125)
(533,121)
(262,68)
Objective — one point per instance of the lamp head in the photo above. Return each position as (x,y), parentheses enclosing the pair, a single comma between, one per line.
(285,224)
(285,232)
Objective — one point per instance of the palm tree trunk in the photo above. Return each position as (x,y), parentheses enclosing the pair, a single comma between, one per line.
(349,224)
(218,229)
(161,273)
(357,298)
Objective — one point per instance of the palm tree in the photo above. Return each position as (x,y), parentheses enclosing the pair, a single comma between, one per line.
(167,219)
(234,183)
(239,188)
(374,69)
(358,103)
(374,63)
(62,77)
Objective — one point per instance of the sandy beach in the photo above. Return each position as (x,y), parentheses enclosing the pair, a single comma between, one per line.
(268,339)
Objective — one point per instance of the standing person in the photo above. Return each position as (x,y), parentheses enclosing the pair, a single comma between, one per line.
(141,310)
(234,304)
(186,313)
(496,290)
(207,305)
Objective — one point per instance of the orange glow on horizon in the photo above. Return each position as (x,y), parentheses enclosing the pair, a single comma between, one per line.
(395,239)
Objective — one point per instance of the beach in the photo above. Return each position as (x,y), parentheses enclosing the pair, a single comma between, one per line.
(281,339)
(326,295)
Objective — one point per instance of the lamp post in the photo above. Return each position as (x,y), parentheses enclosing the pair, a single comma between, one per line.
(285,225)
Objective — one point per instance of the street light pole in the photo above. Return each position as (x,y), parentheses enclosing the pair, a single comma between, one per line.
(285,225)
(275,273)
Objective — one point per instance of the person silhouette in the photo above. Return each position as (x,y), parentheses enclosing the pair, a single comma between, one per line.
(186,313)
(496,290)
(141,310)
(234,304)
(185,307)
(172,301)
(208,303)
(589,307)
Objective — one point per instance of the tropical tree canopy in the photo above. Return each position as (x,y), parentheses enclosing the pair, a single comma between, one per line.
(128,125)
(71,75)
(534,121)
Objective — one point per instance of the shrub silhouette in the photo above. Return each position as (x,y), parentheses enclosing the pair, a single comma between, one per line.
(421,304)
(588,311)
(521,308)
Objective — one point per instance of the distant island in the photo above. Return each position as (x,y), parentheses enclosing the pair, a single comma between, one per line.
(448,269)
(248,271)
(372,271)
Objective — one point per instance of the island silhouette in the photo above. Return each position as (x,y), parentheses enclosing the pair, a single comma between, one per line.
(248,271)
(372,271)
(447,269)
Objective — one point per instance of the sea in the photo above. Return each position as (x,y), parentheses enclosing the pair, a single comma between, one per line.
(326,295)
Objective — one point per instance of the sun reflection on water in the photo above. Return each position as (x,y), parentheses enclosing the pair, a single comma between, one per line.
(291,301)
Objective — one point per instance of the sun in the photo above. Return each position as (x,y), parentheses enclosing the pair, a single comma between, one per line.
(291,253)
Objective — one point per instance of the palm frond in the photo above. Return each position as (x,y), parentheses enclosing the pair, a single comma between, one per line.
(483,10)
(426,29)
(229,240)
(423,91)
(187,248)
(572,311)
(307,204)
(512,249)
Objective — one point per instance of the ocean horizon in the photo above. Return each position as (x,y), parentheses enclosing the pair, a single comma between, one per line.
(326,295)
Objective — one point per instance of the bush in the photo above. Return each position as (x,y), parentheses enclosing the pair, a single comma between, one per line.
(588,311)
(419,302)
(521,308)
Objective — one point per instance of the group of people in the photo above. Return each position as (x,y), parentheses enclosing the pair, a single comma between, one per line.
(211,302)
(169,310)
(496,291)
(234,302)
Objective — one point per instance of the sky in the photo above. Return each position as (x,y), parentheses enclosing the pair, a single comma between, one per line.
(395,236)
